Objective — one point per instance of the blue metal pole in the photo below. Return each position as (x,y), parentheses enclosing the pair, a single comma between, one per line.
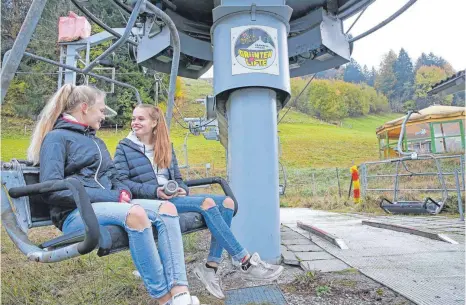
(253,169)
(251,82)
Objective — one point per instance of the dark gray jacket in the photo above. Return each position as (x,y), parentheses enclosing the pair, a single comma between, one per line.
(137,173)
(73,150)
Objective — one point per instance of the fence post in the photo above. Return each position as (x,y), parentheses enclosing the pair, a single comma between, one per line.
(338,180)
(458,194)
(462,172)
(314,190)
(363,179)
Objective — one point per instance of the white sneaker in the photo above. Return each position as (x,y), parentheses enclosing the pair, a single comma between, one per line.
(211,281)
(136,274)
(184,298)
(260,270)
(195,300)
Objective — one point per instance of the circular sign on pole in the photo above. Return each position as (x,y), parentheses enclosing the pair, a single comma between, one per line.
(254,50)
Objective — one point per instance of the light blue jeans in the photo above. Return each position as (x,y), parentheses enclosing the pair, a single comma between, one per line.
(161,269)
(218,220)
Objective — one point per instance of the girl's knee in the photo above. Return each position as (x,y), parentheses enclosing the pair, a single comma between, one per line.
(208,203)
(137,218)
(168,208)
(229,203)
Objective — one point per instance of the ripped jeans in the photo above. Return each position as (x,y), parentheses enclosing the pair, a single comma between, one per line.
(218,220)
(161,269)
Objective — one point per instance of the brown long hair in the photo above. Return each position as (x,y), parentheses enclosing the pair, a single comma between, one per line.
(66,99)
(162,145)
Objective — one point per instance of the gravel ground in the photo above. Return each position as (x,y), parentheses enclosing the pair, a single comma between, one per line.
(348,287)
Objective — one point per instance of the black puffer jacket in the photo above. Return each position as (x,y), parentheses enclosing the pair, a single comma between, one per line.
(73,150)
(137,173)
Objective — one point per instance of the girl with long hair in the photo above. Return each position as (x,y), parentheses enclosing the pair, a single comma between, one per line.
(65,145)
(146,162)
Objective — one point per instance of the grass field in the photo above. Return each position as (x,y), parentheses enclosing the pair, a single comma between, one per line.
(305,142)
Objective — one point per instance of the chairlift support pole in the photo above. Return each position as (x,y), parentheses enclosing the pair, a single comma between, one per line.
(251,99)
(22,40)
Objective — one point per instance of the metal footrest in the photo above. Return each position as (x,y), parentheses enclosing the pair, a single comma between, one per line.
(429,206)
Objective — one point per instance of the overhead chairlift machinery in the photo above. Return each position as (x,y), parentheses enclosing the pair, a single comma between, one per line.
(256,47)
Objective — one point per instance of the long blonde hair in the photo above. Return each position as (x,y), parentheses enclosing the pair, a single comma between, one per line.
(66,99)
(162,146)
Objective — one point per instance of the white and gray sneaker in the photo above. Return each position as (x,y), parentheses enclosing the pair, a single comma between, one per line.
(260,270)
(210,279)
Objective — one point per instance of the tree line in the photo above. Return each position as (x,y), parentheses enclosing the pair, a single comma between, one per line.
(398,85)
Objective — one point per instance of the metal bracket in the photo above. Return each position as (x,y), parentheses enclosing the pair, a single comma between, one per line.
(253,12)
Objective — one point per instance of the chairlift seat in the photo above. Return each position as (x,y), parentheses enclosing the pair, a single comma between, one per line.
(429,206)
(26,212)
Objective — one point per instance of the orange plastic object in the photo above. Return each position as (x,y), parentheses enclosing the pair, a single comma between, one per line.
(73,28)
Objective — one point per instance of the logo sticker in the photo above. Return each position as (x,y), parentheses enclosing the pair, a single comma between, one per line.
(254,50)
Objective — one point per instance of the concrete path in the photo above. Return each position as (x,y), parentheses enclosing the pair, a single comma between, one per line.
(301,251)
(423,270)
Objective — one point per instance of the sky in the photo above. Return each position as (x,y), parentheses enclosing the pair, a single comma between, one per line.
(427,26)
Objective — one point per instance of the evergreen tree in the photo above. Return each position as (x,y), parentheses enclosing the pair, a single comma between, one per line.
(353,73)
(366,73)
(371,77)
(404,74)
(432,60)
(386,80)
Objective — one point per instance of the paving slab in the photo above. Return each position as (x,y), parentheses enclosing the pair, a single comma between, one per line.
(290,235)
(311,256)
(328,265)
(428,272)
(304,248)
(290,258)
(300,241)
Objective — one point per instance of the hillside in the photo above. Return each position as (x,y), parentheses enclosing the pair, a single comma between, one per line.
(306,142)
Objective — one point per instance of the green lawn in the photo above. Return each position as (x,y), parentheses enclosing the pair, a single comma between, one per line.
(306,142)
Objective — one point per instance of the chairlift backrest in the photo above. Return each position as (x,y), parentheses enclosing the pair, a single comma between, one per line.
(30,211)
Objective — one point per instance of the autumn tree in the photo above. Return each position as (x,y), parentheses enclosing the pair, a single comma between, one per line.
(426,77)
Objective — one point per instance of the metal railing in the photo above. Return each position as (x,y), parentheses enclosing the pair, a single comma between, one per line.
(364,171)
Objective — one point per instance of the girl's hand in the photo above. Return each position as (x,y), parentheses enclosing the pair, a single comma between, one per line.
(125,198)
(161,194)
(181,192)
